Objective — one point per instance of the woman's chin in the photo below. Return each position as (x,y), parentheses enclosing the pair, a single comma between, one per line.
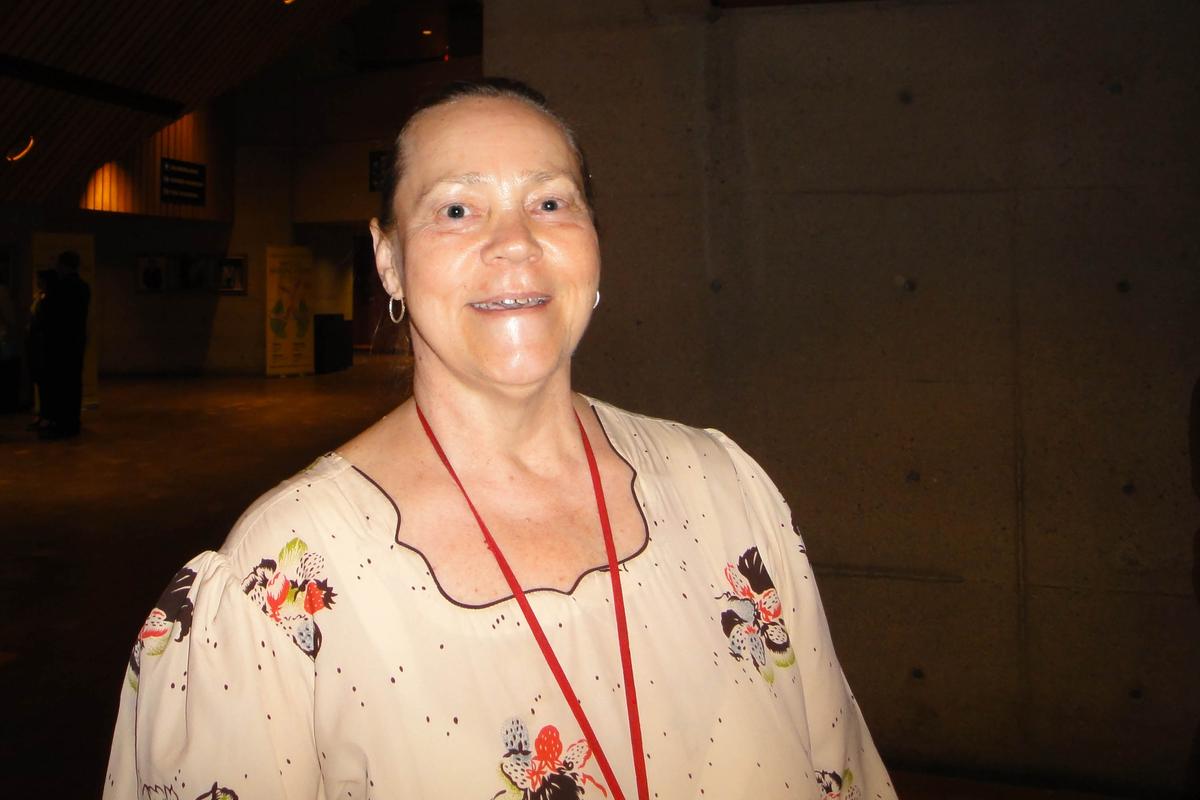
(519,367)
(502,364)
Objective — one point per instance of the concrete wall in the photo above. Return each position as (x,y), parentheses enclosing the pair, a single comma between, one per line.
(198,331)
(937,266)
(141,332)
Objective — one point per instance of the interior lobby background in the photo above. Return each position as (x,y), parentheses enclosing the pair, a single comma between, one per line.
(935,264)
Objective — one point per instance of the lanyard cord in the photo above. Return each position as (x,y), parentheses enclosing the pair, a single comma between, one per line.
(635,727)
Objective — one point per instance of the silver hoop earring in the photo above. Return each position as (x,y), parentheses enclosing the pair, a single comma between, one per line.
(597,300)
(392,310)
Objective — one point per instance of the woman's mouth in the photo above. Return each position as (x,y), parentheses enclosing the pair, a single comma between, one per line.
(512,303)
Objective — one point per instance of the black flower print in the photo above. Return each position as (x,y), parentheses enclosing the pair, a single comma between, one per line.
(161,792)
(835,786)
(546,772)
(172,614)
(290,591)
(218,792)
(754,620)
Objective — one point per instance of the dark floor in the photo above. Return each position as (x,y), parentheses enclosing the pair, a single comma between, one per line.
(93,528)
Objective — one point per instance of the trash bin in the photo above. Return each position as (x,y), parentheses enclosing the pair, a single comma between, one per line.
(333,346)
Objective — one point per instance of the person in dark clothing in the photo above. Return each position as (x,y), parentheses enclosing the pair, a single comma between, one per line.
(65,339)
(35,343)
(10,352)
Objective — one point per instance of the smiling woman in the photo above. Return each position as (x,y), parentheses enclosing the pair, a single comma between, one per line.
(503,588)
(492,245)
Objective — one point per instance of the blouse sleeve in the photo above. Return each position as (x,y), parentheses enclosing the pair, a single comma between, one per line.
(843,754)
(217,701)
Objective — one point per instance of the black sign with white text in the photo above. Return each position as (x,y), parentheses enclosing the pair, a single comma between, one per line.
(182,182)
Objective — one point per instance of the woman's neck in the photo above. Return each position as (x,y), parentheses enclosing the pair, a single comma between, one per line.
(480,426)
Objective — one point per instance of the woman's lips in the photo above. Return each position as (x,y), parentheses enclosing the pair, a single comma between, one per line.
(515,303)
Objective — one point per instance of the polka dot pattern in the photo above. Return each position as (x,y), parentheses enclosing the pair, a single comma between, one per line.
(411,694)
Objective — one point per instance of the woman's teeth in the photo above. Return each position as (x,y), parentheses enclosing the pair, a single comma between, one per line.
(511,303)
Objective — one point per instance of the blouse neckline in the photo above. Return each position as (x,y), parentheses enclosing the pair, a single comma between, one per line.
(634,488)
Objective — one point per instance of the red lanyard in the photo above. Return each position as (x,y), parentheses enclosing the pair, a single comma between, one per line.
(635,727)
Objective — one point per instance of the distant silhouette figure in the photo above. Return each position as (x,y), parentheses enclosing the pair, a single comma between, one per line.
(64,317)
(1193,777)
(10,353)
(35,343)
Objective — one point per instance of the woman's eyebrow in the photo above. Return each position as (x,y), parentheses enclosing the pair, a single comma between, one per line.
(464,179)
(475,178)
(543,176)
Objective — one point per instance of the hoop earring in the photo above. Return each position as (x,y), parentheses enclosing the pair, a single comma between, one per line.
(392,312)
(597,300)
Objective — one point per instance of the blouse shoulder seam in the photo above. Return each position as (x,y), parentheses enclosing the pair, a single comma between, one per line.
(253,516)
(626,416)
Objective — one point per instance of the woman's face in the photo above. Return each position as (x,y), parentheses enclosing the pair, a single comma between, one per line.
(495,252)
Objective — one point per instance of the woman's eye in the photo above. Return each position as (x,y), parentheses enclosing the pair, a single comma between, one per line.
(455,211)
(550,205)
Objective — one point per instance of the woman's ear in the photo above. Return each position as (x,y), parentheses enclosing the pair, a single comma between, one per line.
(387,260)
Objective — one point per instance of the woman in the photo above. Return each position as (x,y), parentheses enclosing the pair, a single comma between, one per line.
(433,610)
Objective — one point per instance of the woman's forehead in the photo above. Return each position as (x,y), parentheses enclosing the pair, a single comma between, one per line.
(486,129)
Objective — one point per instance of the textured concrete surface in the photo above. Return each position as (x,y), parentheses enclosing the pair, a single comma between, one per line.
(936,265)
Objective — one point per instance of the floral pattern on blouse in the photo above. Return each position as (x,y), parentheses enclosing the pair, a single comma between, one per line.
(291,590)
(835,786)
(546,772)
(754,620)
(161,792)
(218,792)
(172,612)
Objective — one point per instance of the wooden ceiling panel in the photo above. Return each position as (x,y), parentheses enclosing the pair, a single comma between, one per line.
(90,79)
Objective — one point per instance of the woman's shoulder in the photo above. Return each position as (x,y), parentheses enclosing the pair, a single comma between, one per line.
(662,437)
(314,503)
(663,448)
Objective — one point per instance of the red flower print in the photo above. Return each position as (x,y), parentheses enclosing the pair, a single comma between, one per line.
(546,773)
(754,620)
(172,613)
(156,625)
(290,591)
(277,593)
(317,595)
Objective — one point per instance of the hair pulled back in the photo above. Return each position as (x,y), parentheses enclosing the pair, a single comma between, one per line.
(497,87)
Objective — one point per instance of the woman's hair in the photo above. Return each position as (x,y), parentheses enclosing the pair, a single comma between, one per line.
(461,90)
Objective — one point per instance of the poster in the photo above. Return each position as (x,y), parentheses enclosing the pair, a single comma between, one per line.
(289,311)
(44,251)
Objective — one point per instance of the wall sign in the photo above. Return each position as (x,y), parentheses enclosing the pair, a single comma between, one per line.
(289,315)
(182,182)
(377,169)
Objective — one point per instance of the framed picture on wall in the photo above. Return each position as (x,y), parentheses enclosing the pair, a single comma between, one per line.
(195,273)
(151,273)
(377,168)
(231,275)
(208,265)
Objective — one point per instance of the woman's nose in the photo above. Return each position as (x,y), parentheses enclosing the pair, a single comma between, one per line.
(512,240)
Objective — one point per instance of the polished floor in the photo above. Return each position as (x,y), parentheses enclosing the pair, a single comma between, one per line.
(93,527)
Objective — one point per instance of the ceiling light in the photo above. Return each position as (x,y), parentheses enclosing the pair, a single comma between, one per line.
(19,151)
(426,32)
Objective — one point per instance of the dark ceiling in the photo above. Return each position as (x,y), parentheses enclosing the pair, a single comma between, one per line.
(86,79)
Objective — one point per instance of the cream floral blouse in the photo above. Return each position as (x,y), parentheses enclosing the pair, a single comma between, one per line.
(315,656)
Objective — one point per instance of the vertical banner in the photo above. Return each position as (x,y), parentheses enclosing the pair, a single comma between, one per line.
(289,311)
(44,251)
